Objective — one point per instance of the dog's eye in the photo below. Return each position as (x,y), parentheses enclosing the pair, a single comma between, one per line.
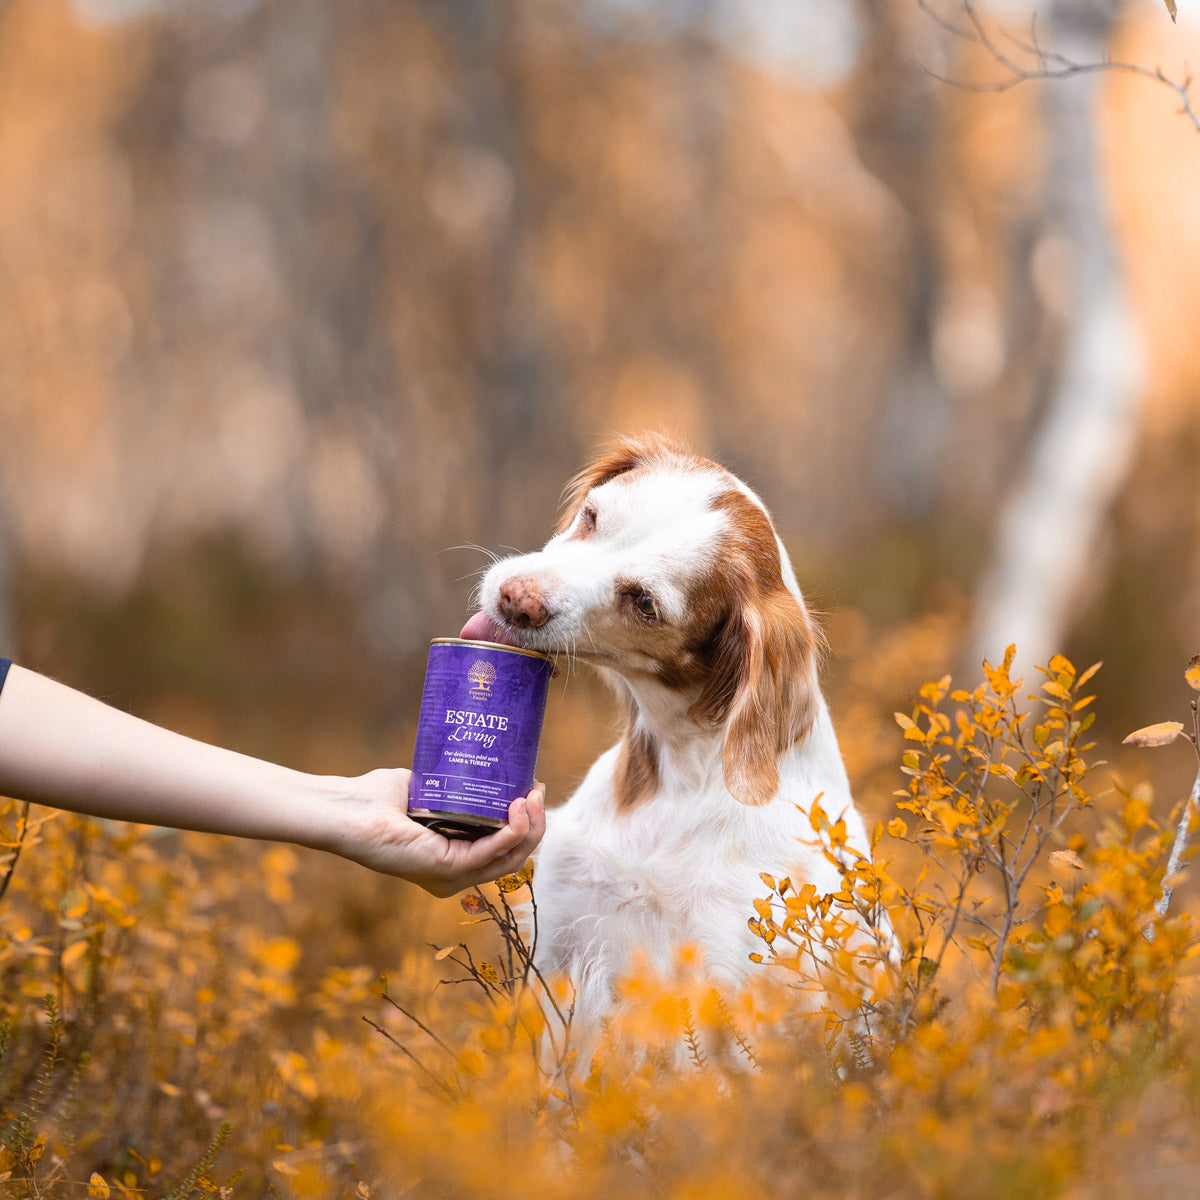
(587,519)
(644,603)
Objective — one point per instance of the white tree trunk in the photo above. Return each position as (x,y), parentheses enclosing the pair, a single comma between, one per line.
(1048,531)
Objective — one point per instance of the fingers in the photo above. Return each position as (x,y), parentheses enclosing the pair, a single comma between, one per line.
(537,812)
(526,824)
(506,850)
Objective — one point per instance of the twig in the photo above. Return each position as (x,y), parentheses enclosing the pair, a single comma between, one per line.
(436,1079)
(1047,63)
(417,1022)
(1183,835)
(12,862)
(1183,832)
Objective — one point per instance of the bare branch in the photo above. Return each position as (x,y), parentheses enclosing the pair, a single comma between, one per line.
(1042,64)
(441,1085)
(12,862)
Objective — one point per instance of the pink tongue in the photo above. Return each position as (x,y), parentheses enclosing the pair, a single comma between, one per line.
(481,628)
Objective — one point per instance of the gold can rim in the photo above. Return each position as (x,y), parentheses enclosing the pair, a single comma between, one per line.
(449,641)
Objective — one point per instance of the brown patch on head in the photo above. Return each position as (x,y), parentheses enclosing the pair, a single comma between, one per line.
(761,680)
(624,455)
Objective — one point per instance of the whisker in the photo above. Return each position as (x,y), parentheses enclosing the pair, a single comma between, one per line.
(491,555)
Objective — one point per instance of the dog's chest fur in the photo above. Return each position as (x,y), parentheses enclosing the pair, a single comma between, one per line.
(681,870)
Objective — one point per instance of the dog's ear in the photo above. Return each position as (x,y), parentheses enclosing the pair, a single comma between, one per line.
(624,455)
(773,705)
(764,656)
(762,687)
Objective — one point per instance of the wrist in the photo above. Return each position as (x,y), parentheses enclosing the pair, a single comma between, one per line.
(354,817)
(321,812)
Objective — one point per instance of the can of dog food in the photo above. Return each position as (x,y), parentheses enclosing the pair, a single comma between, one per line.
(478,734)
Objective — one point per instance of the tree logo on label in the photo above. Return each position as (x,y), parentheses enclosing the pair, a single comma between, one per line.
(481,675)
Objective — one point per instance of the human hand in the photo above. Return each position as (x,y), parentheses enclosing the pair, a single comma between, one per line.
(379,833)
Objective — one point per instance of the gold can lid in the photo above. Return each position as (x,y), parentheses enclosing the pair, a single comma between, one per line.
(491,646)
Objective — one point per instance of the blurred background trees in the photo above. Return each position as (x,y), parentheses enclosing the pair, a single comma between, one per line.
(302,301)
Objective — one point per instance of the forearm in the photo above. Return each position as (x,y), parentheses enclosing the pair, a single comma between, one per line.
(62,748)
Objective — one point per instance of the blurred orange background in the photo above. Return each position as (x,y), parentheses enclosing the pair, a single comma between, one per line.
(306,303)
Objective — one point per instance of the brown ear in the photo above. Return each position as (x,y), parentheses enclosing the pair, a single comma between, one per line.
(762,686)
(625,454)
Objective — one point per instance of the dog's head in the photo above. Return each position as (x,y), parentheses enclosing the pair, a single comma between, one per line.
(666,569)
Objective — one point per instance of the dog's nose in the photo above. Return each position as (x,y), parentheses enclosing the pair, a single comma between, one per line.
(522,603)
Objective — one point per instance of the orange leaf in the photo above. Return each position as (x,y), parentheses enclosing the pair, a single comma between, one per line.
(1155,735)
(279,954)
(1192,674)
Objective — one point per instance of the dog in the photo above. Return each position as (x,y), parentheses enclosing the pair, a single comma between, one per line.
(666,574)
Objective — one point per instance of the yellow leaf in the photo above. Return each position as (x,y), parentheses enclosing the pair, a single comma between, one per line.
(1155,735)
(1171,8)
(444,952)
(1057,920)
(280,954)
(97,1187)
(1192,674)
(73,905)
(897,827)
(73,953)
(1135,814)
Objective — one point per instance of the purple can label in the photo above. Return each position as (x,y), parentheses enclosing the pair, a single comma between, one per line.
(478,734)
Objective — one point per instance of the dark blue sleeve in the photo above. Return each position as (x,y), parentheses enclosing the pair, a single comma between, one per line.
(5,663)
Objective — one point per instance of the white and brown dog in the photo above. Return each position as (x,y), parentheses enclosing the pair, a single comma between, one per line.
(666,574)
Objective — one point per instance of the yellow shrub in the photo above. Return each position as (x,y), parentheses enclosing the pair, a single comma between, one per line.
(988,1006)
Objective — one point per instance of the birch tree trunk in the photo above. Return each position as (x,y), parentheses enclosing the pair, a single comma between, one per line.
(1048,530)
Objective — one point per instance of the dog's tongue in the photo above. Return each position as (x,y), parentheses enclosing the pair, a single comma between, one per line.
(481,628)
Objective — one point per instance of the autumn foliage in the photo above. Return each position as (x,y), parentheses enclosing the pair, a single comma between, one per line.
(995,1003)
